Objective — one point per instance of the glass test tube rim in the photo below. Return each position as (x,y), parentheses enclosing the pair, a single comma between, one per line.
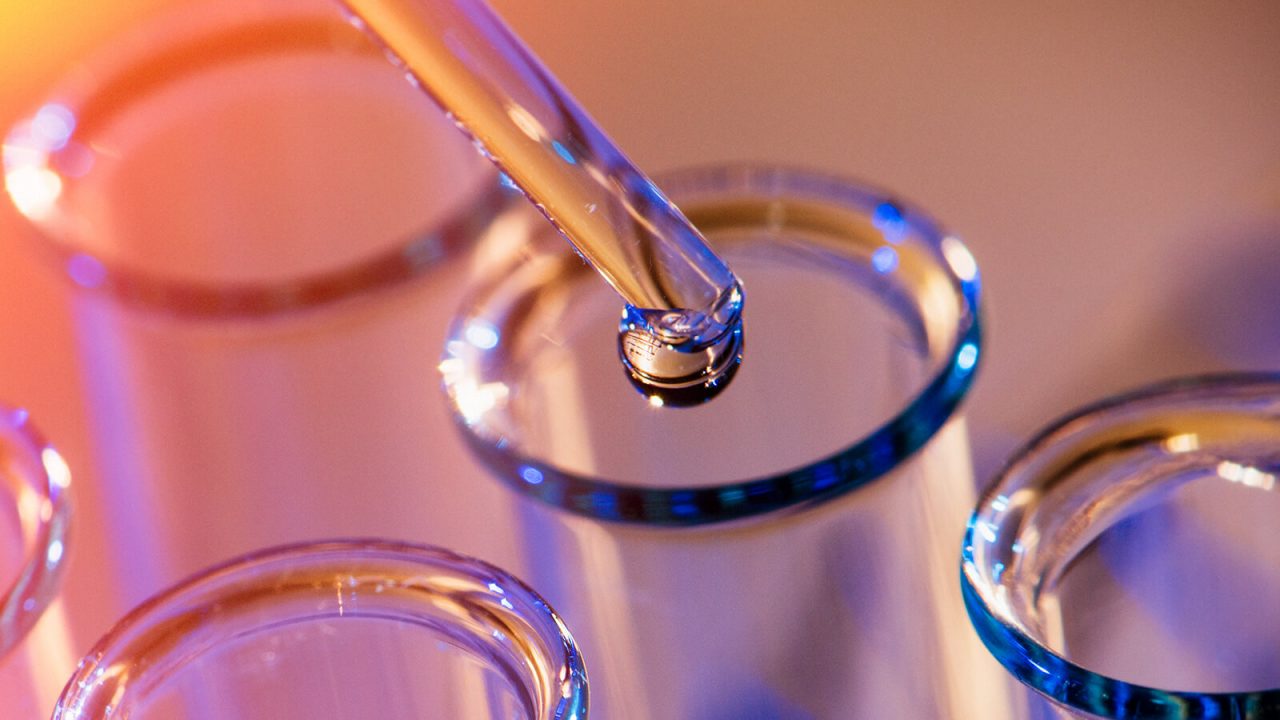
(26,595)
(861,462)
(565,687)
(113,76)
(1031,661)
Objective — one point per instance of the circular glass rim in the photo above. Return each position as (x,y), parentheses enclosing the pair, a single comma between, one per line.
(46,524)
(134,69)
(859,463)
(1032,662)
(493,597)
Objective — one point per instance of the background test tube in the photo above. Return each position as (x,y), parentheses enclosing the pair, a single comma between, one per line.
(35,517)
(1124,563)
(264,233)
(340,628)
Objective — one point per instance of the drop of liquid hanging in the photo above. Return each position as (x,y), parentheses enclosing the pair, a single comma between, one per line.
(673,365)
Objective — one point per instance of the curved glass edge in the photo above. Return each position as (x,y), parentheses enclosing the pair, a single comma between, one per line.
(1061,680)
(1083,690)
(830,477)
(30,152)
(1167,388)
(858,464)
(43,562)
(215,301)
(97,683)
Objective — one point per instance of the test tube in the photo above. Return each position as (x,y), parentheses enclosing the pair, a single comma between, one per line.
(1124,563)
(264,231)
(346,628)
(787,550)
(34,519)
(681,333)
(34,527)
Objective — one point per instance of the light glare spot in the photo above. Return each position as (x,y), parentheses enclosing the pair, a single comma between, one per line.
(22,150)
(960,259)
(33,189)
(55,552)
(56,467)
(1246,475)
(526,122)
(52,126)
(474,400)
(481,334)
(987,531)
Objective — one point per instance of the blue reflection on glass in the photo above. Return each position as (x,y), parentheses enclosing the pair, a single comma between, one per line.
(563,152)
(887,218)
(604,504)
(732,496)
(531,475)
(825,476)
(884,259)
(967,357)
(682,503)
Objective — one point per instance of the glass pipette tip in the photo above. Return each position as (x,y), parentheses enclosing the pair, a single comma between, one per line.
(680,338)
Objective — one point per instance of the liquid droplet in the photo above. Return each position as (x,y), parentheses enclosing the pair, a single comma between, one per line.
(678,359)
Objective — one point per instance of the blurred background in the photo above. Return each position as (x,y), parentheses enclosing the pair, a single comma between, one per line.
(1114,167)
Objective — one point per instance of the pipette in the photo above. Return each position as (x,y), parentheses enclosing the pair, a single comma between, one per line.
(680,338)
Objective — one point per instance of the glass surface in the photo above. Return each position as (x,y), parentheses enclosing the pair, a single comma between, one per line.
(1125,564)
(34,519)
(208,163)
(862,338)
(337,629)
